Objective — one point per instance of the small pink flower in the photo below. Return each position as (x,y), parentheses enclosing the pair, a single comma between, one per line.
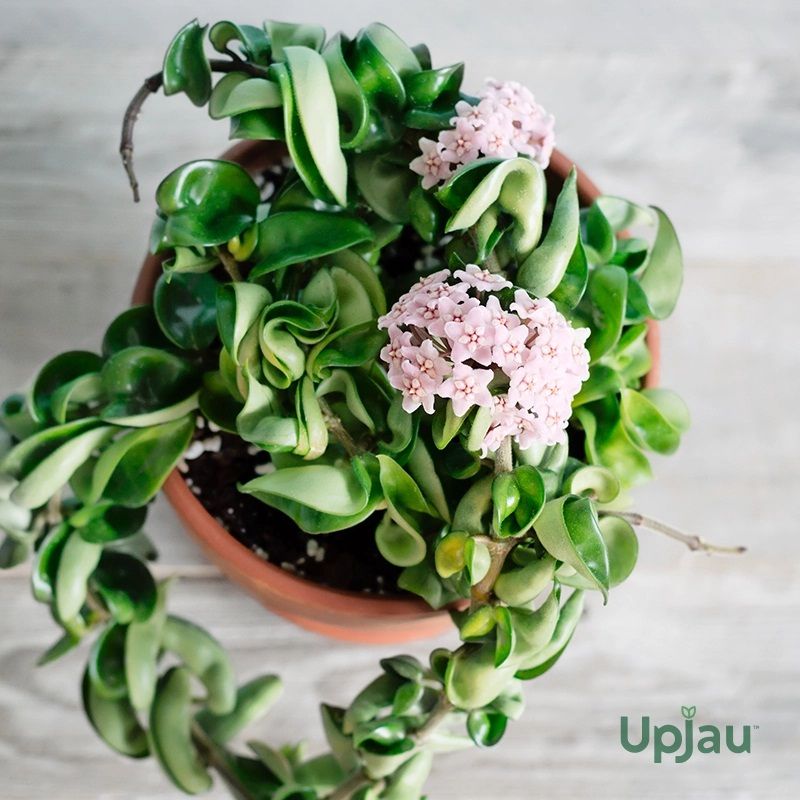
(482,279)
(509,354)
(467,387)
(477,116)
(503,321)
(540,311)
(428,361)
(461,144)
(473,337)
(526,381)
(451,310)
(530,430)
(554,343)
(498,142)
(392,353)
(418,390)
(430,164)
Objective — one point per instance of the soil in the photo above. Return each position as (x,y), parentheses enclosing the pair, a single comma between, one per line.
(217,461)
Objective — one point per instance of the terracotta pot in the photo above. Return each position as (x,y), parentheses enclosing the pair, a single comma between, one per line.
(352,616)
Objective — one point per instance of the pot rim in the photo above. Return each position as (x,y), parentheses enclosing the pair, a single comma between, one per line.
(253,155)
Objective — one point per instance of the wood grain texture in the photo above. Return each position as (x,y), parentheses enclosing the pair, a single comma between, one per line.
(693,106)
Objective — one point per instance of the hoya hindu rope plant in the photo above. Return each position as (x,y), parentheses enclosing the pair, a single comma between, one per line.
(400,324)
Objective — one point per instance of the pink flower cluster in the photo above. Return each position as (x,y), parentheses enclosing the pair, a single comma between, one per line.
(451,337)
(505,123)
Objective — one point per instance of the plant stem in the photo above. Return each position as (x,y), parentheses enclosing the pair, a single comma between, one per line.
(692,541)
(498,551)
(440,711)
(347,789)
(335,426)
(150,86)
(503,458)
(214,759)
(230,264)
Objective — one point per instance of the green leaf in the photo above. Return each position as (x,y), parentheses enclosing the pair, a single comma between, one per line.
(365,274)
(473,508)
(136,326)
(603,380)
(131,471)
(386,183)
(472,680)
(608,444)
(598,483)
(13,552)
(106,523)
(253,700)
(519,586)
(205,658)
(283,34)
(513,186)
(77,562)
(253,42)
(63,645)
(426,215)
(264,124)
(185,307)
(621,214)
(534,629)
(486,728)
(397,544)
(239,305)
(544,269)
(170,733)
(195,260)
(600,239)
(350,347)
(45,565)
(623,550)
(432,86)
(54,471)
(106,664)
(142,650)
(408,780)
(126,586)
(662,274)
(517,498)
(544,659)
(382,62)
(608,293)
(505,635)
(16,420)
(568,529)
(403,496)
(314,103)
(141,381)
(343,495)
(646,423)
(186,68)
(292,237)
(58,373)
(115,722)
(237,93)
(350,98)
(206,203)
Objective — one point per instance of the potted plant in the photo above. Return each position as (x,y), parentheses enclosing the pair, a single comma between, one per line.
(394,329)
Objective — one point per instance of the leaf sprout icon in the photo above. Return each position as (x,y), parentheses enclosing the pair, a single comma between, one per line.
(688,711)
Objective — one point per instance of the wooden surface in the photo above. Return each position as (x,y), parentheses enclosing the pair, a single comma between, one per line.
(691,105)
